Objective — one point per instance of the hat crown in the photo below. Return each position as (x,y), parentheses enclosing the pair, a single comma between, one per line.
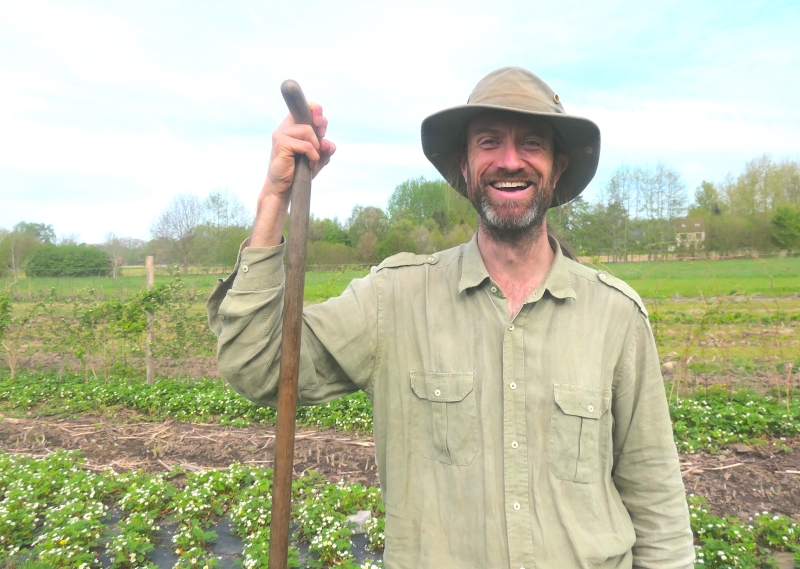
(516,88)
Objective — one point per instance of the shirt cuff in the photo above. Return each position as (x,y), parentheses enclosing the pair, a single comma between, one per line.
(258,268)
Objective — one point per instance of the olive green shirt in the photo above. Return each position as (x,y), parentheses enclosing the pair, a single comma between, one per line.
(542,440)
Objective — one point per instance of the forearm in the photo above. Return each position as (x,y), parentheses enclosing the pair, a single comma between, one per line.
(245,314)
(270,218)
(646,470)
(338,337)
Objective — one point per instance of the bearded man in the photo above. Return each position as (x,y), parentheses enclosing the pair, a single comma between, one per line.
(520,417)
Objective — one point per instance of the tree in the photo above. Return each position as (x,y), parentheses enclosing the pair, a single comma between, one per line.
(328,230)
(707,200)
(620,194)
(786,228)
(16,247)
(44,233)
(365,220)
(764,186)
(420,199)
(68,261)
(226,223)
(179,224)
(115,247)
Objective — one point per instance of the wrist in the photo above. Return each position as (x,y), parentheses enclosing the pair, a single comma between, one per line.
(270,217)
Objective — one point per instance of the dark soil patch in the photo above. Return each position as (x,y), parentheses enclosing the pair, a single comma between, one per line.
(740,484)
(156,447)
(744,484)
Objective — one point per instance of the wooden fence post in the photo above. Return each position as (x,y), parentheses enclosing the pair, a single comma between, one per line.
(148,351)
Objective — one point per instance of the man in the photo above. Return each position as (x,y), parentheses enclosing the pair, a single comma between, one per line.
(520,417)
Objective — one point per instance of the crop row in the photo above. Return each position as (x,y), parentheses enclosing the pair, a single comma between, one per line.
(706,419)
(55,512)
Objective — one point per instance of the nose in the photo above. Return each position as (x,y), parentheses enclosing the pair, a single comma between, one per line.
(510,159)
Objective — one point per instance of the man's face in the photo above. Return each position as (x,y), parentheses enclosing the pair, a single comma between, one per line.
(511,170)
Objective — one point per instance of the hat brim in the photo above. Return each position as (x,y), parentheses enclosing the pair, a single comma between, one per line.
(577,137)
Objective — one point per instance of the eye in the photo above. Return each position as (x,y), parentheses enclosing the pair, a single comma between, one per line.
(532,143)
(488,142)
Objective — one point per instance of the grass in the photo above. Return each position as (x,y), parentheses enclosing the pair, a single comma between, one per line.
(725,277)
(722,277)
(319,285)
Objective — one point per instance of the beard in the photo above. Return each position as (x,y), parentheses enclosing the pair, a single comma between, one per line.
(503,219)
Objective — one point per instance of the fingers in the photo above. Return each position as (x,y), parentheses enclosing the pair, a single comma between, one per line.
(318,120)
(291,139)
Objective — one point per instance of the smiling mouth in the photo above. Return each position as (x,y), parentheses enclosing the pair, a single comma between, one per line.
(510,186)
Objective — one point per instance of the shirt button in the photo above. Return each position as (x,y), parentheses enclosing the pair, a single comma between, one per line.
(493,289)
(245,268)
(437,393)
(511,327)
(591,408)
(514,444)
(512,385)
(602,275)
(431,259)
(517,506)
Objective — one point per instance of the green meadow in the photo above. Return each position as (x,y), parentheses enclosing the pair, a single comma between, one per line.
(779,277)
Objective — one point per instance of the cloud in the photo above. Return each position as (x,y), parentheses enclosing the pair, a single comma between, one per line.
(109,108)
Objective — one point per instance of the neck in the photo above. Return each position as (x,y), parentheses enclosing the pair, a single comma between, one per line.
(518,266)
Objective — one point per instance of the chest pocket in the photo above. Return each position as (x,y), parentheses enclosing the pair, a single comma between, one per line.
(445,416)
(575,432)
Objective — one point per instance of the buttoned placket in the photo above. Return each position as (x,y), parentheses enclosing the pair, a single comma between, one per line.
(515,441)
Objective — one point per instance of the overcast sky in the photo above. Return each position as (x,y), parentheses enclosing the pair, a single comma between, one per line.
(108,109)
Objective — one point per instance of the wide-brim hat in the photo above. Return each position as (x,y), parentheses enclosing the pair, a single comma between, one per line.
(517,90)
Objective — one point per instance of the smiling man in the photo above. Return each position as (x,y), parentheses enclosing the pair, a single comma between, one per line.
(520,417)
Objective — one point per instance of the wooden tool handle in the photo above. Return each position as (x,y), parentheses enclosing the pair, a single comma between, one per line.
(290,340)
(296,101)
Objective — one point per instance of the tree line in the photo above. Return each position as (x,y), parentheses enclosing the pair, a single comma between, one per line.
(635,213)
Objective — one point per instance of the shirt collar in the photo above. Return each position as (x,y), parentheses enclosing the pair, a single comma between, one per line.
(474,273)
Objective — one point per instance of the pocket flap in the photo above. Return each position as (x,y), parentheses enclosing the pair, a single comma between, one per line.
(446,387)
(586,402)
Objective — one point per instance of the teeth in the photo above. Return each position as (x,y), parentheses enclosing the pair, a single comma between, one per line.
(510,185)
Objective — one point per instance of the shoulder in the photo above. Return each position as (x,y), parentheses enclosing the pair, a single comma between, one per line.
(439,259)
(615,284)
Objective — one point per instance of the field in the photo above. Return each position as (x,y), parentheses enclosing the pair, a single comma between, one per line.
(98,467)
(774,277)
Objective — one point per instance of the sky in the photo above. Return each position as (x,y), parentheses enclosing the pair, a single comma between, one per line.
(109,109)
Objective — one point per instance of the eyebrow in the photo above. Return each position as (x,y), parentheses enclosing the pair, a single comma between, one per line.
(489,130)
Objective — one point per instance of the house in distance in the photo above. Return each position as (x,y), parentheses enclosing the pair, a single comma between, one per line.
(690,234)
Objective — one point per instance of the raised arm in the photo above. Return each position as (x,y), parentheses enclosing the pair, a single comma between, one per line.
(288,140)
(245,309)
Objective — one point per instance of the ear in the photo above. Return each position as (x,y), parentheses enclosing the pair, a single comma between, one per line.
(560,163)
(462,163)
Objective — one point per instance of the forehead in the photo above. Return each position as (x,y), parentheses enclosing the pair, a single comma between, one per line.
(503,121)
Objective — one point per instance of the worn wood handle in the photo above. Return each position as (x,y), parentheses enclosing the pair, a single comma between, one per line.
(296,101)
(290,340)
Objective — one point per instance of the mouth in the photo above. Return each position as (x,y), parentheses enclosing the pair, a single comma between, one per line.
(512,186)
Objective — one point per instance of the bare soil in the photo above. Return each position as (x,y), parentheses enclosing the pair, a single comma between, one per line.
(740,482)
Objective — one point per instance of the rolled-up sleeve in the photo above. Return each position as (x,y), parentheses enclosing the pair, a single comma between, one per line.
(338,336)
(646,469)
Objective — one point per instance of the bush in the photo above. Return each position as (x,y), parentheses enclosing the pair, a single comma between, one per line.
(68,261)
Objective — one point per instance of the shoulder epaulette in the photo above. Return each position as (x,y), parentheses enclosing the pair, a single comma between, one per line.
(406,260)
(623,287)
